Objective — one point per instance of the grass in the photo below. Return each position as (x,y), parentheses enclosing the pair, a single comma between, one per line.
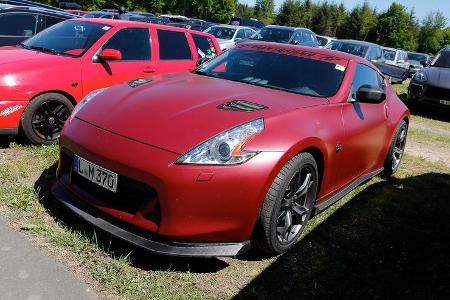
(386,239)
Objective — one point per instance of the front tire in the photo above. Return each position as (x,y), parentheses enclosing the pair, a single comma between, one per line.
(44,118)
(288,205)
(395,154)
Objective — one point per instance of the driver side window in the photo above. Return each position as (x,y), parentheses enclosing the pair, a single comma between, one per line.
(133,43)
(366,75)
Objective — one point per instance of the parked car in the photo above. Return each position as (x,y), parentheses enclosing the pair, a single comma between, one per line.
(77,12)
(200,25)
(246,148)
(324,40)
(286,35)
(432,83)
(174,18)
(228,35)
(417,61)
(30,4)
(44,77)
(101,15)
(371,52)
(396,57)
(252,23)
(18,23)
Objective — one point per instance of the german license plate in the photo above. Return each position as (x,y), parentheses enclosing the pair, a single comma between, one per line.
(94,173)
(445,102)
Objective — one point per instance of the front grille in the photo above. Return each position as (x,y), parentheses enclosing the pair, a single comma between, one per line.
(437,93)
(131,196)
(416,89)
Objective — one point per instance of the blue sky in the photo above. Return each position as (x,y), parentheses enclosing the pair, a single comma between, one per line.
(421,7)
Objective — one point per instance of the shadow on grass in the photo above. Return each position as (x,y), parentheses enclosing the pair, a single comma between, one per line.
(390,241)
(426,110)
(115,247)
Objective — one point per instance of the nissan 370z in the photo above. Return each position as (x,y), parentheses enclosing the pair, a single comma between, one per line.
(240,153)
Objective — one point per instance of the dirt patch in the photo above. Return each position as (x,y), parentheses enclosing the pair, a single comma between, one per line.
(432,151)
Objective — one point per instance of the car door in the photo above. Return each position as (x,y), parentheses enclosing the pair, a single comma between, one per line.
(17,27)
(174,51)
(365,129)
(135,47)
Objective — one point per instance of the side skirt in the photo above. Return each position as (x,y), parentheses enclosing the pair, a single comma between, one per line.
(9,131)
(327,202)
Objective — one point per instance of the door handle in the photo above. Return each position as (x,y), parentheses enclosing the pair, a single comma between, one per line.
(149,70)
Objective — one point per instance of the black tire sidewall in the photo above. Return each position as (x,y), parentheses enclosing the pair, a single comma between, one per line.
(26,119)
(388,170)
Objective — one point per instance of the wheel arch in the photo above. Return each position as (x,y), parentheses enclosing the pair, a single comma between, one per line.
(64,93)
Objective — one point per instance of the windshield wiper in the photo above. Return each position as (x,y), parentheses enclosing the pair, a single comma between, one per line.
(41,49)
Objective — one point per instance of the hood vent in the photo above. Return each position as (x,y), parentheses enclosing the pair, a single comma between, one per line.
(242,105)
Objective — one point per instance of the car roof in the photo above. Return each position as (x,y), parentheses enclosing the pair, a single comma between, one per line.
(286,48)
(362,43)
(286,27)
(5,8)
(232,26)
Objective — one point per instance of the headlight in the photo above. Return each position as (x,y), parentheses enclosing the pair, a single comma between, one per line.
(225,148)
(85,101)
(420,76)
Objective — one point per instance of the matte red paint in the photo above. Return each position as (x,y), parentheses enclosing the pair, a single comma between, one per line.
(25,74)
(140,132)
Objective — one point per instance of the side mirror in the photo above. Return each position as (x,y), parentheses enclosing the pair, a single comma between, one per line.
(110,54)
(202,60)
(370,94)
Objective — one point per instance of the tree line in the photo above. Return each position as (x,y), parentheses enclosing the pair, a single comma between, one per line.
(395,27)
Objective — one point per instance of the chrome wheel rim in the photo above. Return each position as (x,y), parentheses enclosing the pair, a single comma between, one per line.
(399,149)
(49,118)
(295,206)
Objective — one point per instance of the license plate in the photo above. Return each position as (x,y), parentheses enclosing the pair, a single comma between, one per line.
(445,102)
(96,174)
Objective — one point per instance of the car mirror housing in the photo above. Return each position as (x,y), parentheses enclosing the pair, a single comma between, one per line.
(370,94)
(110,54)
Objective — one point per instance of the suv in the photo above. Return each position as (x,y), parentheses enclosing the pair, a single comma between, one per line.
(286,35)
(396,57)
(44,77)
(371,52)
(17,23)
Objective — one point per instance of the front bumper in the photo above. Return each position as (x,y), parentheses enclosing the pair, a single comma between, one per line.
(144,239)
(10,114)
(429,94)
(182,203)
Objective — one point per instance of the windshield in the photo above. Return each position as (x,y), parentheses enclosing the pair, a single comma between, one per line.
(442,60)
(277,35)
(69,38)
(417,57)
(223,33)
(389,54)
(295,74)
(355,49)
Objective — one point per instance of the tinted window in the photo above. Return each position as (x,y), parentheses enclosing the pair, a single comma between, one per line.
(70,38)
(442,60)
(223,33)
(205,46)
(240,34)
(307,37)
(134,43)
(389,54)
(322,41)
(355,49)
(273,34)
(295,74)
(50,21)
(366,75)
(248,33)
(18,24)
(173,45)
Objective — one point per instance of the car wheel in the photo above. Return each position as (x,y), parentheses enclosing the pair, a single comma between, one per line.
(288,205)
(396,150)
(44,117)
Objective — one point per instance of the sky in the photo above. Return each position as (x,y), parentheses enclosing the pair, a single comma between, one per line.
(421,7)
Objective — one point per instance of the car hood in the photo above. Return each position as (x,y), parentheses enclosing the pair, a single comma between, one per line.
(179,111)
(13,59)
(439,77)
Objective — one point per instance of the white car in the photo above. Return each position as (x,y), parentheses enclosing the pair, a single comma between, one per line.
(228,35)
(396,57)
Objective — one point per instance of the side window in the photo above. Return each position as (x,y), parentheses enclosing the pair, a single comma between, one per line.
(366,75)
(379,54)
(205,46)
(297,37)
(249,33)
(173,45)
(18,25)
(50,21)
(133,43)
(240,34)
(307,37)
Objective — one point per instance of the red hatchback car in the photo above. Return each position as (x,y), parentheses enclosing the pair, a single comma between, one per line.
(43,78)
(242,151)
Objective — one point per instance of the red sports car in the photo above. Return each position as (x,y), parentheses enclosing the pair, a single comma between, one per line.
(43,78)
(242,151)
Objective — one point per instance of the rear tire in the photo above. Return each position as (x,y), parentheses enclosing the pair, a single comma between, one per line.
(44,117)
(395,154)
(288,205)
